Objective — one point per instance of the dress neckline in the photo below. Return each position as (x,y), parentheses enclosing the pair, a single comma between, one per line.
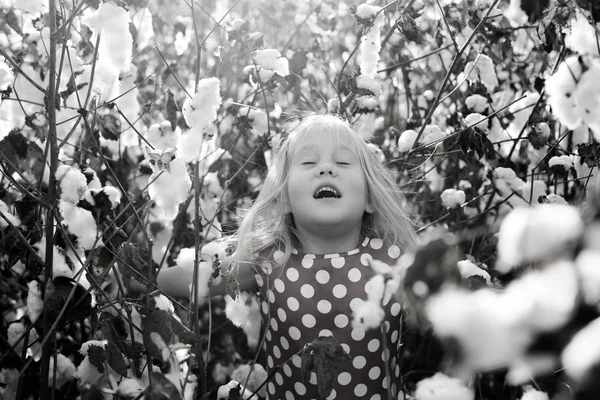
(357,250)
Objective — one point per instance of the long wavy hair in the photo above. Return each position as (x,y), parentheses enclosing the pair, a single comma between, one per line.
(267,226)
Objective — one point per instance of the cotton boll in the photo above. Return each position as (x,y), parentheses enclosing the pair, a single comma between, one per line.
(580,35)
(201,110)
(452,198)
(185,260)
(65,370)
(86,371)
(35,304)
(271,61)
(406,140)
(368,83)
(13,219)
(6,75)
(80,223)
(257,377)
(588,268)
(367,315)
(370,46)
(468,269)
(432,134)
(476,120)
(541,233)
(130,387)
(162,136)
(142,20)
(477,103)
(375,288)
(564,161)
(223,392)
(163,303)
(483,70)
(367,11)
(442,387)
(72,183)
(587,98)
(170,188)
(112,23)
(533,394)
(236,311)
(253,323)
(560,88)
(582,353)
(531,192)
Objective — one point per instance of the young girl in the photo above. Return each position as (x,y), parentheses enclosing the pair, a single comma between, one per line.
(326,209)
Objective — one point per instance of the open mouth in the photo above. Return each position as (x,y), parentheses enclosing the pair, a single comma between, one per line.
(327,192)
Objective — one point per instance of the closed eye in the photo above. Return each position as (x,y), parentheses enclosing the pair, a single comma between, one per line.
(308,163)
(342,163)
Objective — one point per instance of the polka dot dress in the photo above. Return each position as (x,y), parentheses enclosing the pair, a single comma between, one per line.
(313,296)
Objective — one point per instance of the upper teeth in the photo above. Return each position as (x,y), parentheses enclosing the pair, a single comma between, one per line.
(327,188)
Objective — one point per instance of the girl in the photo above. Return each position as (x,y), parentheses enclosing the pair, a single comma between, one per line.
(326,209)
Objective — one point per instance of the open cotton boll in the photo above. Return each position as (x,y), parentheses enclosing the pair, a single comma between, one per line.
(370,42)
(533,394)
(272,62)
(431,134)
(224,390)
(564,161)
(170,188)
(368,83)
(130,387)
(582,353)
(201,109)
(35,304)
(142,20)
(367,314)
(587,98)
(476,120)
(59,261)
(236,310)
(257,377)
(477,103)
(531,192)
(13,219)
(537,234)
(6,75)
(367,11)
(483,70)
(580,35)
(185,260)
(80,223)
(468,269)
(560,88)
(452,198)
(588,268)
(162,136)
(407,140)
(72,183)
(86,371)
(442,387)
(65,370)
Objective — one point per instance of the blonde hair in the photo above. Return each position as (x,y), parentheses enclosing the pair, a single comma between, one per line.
(266,225)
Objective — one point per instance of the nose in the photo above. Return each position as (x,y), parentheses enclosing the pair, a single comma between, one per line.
(326,168)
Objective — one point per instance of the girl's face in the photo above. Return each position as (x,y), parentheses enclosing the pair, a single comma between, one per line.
(326,185)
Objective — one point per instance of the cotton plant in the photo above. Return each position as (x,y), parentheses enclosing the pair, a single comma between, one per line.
(452,198)
(482,69)
(255,375)
(580,34)
(270,62)
(442,387)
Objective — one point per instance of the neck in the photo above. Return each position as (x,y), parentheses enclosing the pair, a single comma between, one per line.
(329,240)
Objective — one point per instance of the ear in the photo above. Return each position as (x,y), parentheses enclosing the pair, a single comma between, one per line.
(369,207)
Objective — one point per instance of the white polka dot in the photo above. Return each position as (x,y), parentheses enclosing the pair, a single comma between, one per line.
(373,345)
(385,328)
(271,296)
(394,336)
(281,314)
(313,378)
(394,251)
(292,274)
(307,262)
(322,276)
(269,336)
(393,388)
(360,389)
(265,307)
(293,304)
(259,280)
(284,343)
(397,371)
(376,243)
(271,388)
(345,347)
(309,321)
(355,302)
(359,362)
(325,332)
(278,256)
(297,361)
(294,333)
(396,309)
(279,286)
(354,275)
(344,378)
(358,334)
(267,267)
(274,324)
(270,362)
(386,382)
(279,378)
(338,262)
(276,352)
(307,291)
(300,388)
(324,306)
(289,396)
(385,355)
(376,396)
(374,373)
(340,320)
(339,291)
(332,395)
(393,362)
(287,370)
(366,259)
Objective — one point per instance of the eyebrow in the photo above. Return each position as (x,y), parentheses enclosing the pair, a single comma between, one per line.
(312,147)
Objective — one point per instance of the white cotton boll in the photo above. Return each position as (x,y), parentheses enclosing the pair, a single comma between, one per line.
(201,110)
(369,103)
(587,98)
(86,372)
(272,60)
(13,219)
(375,288)
(6,75)
(532,192)
(15,332)
(35,304)
(536,234)
(442,387)
(370,46)
(253,324)
(65,370)
(367,315)
(556,199)
(258,119)
(32,6)
(406,140)
(223,392)
(476,120)
(367,11)
(373,148)
(580,35)
(80,223)
(482,69)
(560,88)
(477,103)
(59,262)
(515,14)
(130,387)
(116,43)
(583,352)
(564,161)
(432,134)
(464,185)
(368,83)
(380,267)
(163,303)
(236,311)
(588,268)
(113,194)
(533,394)
(185,260)
(530,365)
(72,183)
(142,20)
(452,198)
(468,269)
(257,377)
(170,188)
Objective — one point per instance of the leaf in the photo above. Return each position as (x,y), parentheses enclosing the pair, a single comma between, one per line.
(171,109)
(323,356)
(534,8)
(161,389)
(12,20)
(115,358)
(56,294)
(97,356)
(23,154)
(158,321)
(408,27)
(92,393)
(133,262)
(110,126)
